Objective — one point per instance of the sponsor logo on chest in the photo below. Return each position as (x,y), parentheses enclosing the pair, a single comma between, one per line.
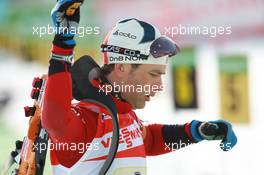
(127,136)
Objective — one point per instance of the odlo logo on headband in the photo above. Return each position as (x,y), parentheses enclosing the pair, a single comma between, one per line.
(128,35)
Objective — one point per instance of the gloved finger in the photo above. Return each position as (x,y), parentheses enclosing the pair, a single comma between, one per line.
(75,17)
(230,140)
(70,5)
(212,130)
(73,9)
(64,7)
(209,129)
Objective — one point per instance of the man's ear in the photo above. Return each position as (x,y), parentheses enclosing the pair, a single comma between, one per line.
(122,70)
(119,70)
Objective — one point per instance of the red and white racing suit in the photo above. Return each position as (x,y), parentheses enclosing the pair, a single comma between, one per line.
(72,127)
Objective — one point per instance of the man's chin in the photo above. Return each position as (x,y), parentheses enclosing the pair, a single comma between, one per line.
(139,105)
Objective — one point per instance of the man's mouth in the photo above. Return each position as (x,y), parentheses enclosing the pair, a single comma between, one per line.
(147,97)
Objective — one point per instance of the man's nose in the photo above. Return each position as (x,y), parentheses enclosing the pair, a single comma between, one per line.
(159,84)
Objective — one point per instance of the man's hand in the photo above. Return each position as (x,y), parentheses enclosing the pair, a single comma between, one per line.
(65,18)
(214,130)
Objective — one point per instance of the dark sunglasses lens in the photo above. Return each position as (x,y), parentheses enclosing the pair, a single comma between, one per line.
(163,46)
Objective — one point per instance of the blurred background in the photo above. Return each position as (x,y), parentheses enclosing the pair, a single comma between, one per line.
(218,75)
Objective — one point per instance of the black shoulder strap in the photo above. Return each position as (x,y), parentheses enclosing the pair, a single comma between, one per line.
(83,72)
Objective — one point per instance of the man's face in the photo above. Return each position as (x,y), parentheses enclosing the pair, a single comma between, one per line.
(142,83)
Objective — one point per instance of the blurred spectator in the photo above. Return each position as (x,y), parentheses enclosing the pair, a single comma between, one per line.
(5,98)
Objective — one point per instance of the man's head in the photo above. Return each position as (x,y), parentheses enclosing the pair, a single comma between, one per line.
(136,83)
(135,57)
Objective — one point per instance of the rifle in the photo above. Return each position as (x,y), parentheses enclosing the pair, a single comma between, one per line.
(28,158)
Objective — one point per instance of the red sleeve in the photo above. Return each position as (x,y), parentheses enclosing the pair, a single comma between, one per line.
(58,118)
(154,143)
(66,123)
